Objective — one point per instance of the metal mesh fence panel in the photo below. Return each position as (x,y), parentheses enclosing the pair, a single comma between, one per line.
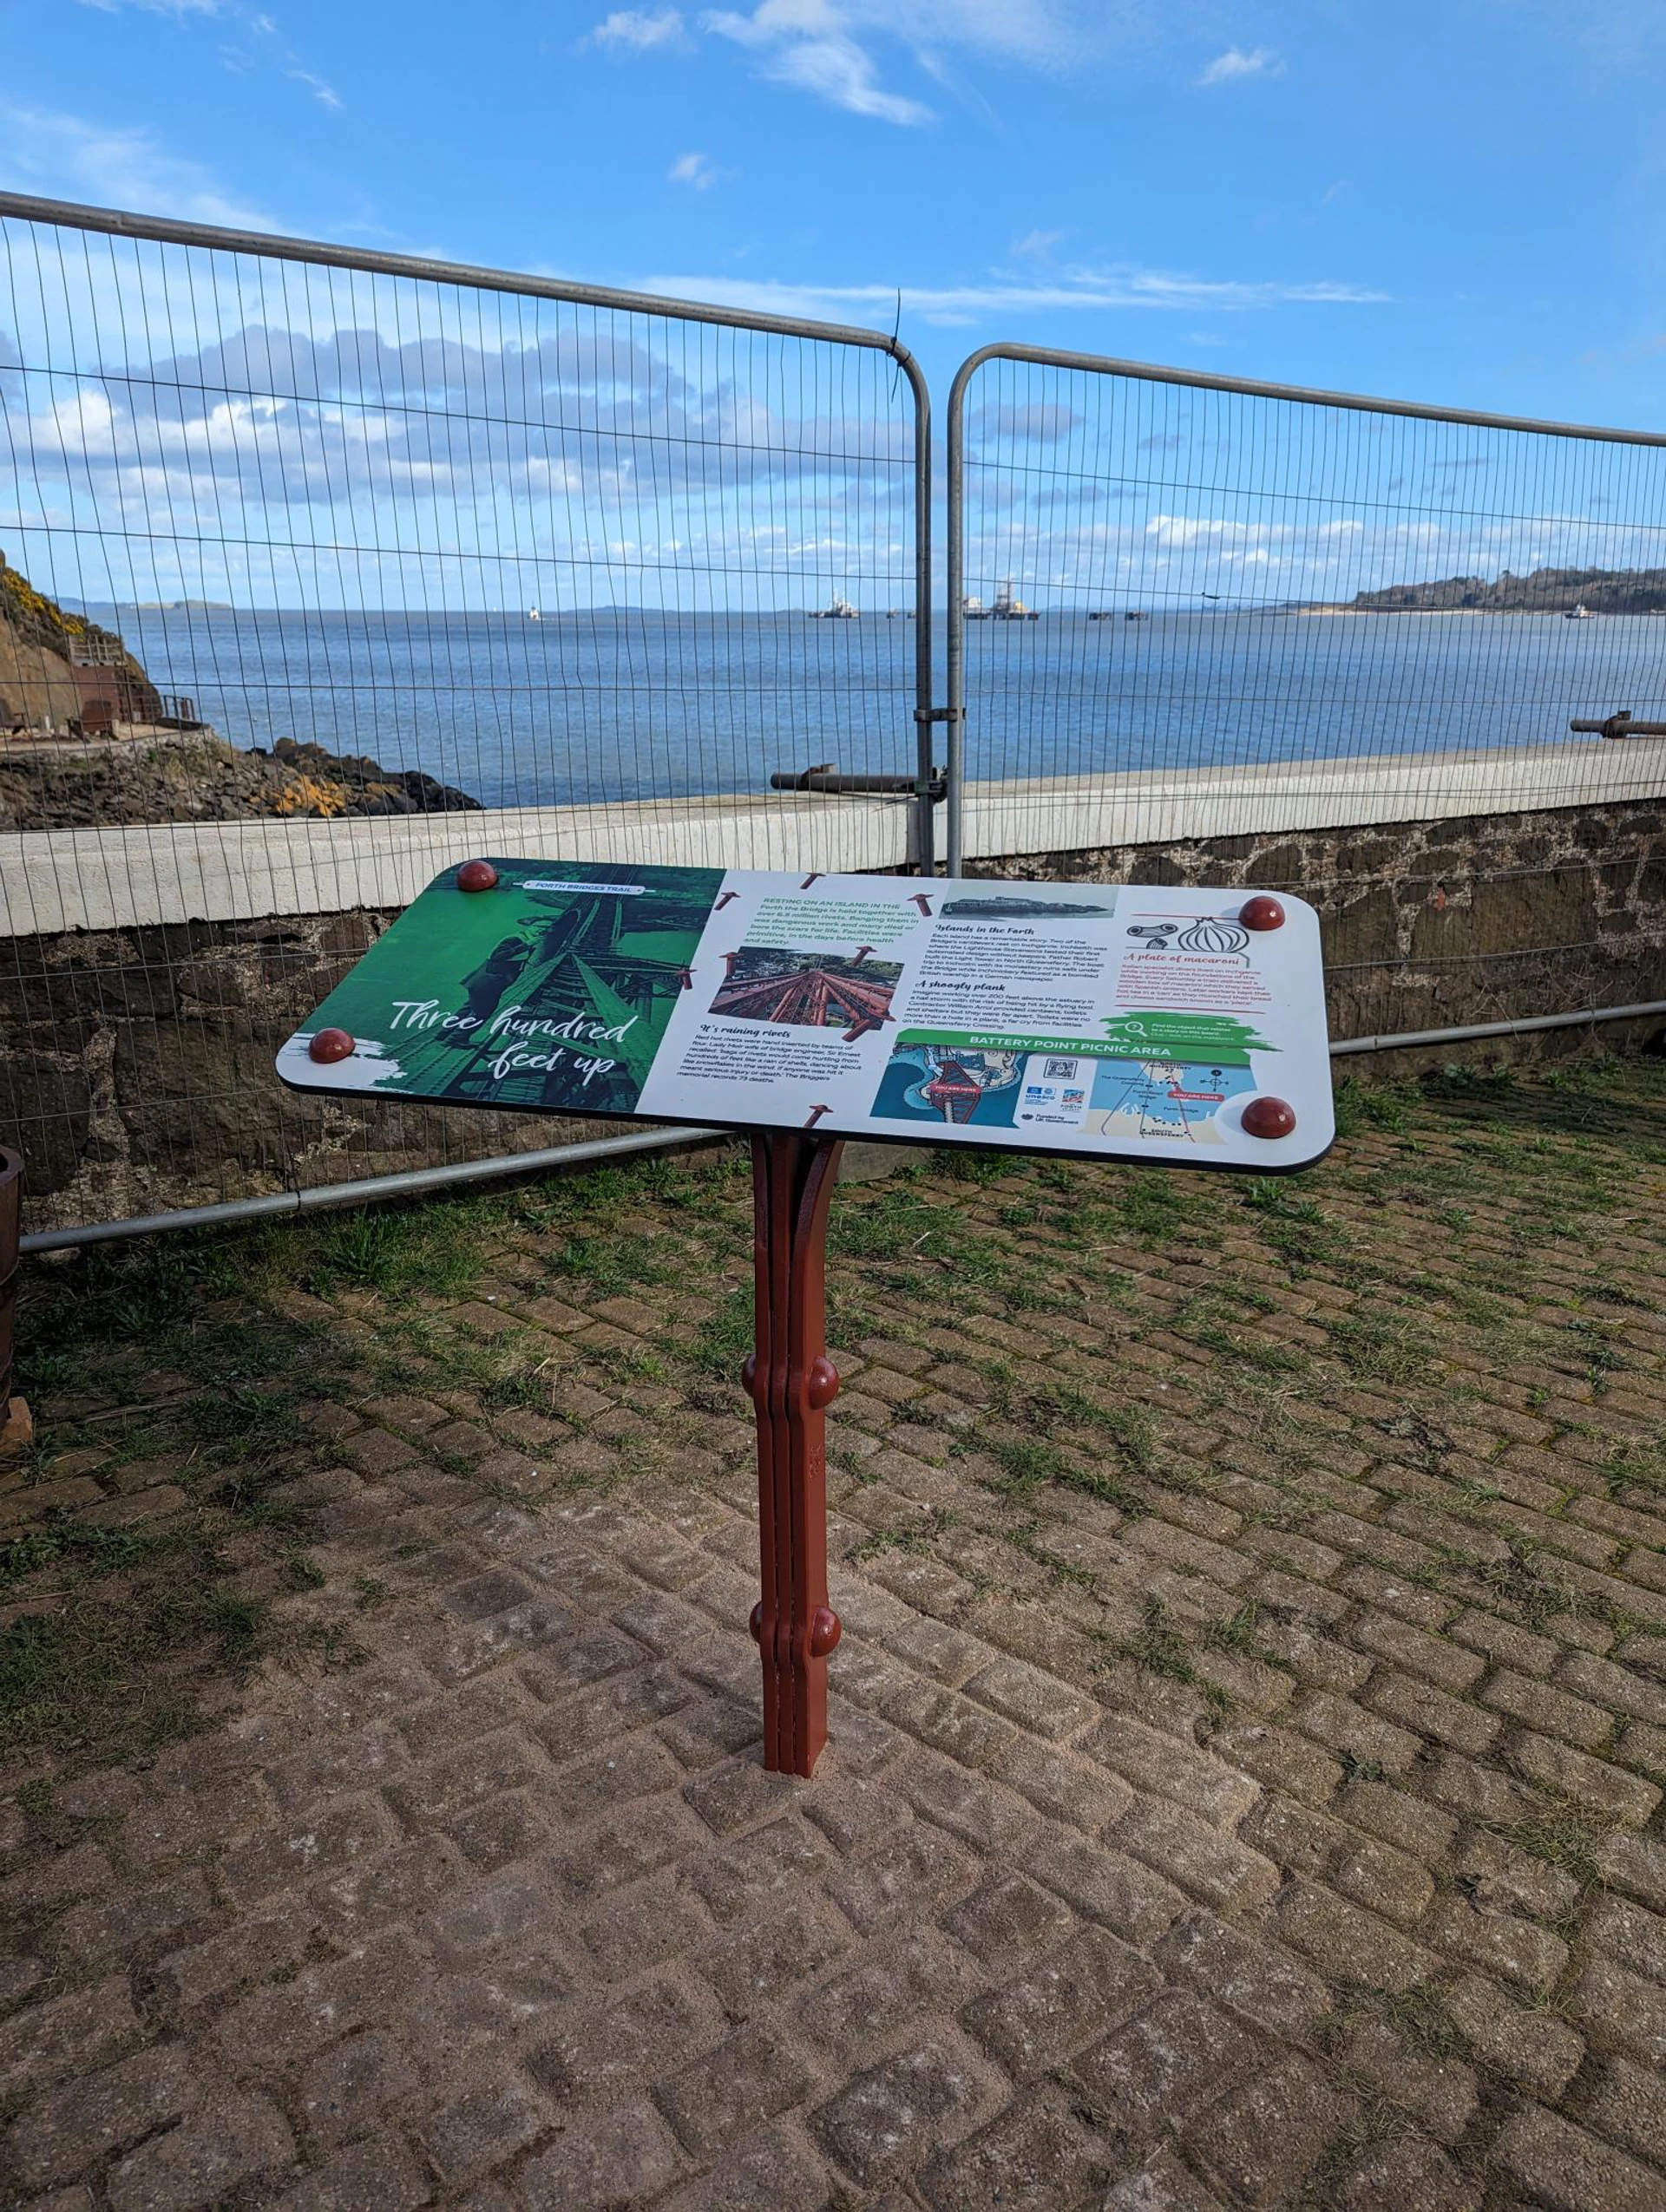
(322,572)
(1208,630)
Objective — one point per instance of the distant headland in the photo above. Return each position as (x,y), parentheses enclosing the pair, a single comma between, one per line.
(1547,591)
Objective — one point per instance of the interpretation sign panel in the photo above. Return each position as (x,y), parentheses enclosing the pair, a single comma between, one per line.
(1128,1021)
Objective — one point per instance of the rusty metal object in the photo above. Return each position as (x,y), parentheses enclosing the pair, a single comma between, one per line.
(809,995)
(1620,725)
(833,783)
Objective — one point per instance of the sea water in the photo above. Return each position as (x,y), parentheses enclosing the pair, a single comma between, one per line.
(596,706)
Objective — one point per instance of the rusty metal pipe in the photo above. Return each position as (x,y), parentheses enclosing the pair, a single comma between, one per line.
(1620,725)
(831,781)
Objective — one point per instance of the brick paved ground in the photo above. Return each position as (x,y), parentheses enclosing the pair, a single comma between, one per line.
(1249,1736)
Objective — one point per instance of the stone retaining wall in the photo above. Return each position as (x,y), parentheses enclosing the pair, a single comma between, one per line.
(135,1072)
(136,1064)
(1437,925)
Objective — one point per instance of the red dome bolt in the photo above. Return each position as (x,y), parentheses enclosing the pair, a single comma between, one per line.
(476,875)
(822,1384)
(825,1630)
(1269,1117)
(331,1044)
(754,1622)
(1261,912)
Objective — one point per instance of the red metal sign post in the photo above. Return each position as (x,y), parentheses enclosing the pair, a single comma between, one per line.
(792,1383)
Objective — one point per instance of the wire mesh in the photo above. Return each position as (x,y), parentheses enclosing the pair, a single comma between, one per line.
(305,565)
(1202,630)
(323,570)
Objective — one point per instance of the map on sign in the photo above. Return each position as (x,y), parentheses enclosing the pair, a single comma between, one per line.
(1167,1023)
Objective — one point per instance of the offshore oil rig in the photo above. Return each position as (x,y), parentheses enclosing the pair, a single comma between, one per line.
(1003,608)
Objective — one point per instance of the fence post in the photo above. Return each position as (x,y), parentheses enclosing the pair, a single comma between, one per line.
(954,632)
(954,614)
(925,803)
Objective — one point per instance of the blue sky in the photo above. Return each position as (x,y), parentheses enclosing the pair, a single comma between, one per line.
(1442,203)
(1447,202)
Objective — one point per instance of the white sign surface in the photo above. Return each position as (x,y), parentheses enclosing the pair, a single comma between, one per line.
(1147,1022)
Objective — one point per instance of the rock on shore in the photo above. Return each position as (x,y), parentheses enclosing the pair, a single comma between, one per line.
(204,779)
(54,781)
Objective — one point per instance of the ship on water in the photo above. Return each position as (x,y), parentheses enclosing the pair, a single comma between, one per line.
(535,614)
(839,609)
(1580,613)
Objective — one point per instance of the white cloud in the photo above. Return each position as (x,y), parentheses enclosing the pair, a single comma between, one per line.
(834,49)
(1227,67)
(65,157)
(177,8)
(1036,246)
(336,451)
(1043,34)
(694,169)
(571,462)
(804,44)
(823,46)
(1072,289)
(324,94)
(839,71)
(1043,425)
(264,44)
(638,30)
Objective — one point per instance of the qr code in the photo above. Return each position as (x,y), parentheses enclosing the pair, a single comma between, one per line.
(1059,1070)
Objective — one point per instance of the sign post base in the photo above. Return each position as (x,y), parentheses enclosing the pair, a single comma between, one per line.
(792,1383)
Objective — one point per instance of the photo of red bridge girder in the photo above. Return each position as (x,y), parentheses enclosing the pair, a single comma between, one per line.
(767,984)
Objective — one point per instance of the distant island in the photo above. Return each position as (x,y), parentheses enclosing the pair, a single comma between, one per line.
(1547,591)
